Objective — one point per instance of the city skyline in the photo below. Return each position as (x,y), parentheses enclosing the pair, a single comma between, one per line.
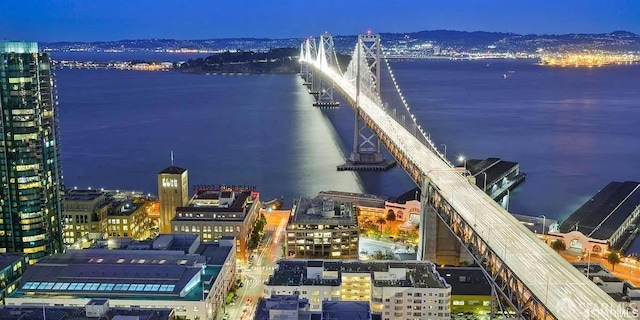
(115,20)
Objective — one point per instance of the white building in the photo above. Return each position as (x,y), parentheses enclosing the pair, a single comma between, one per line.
(395,289)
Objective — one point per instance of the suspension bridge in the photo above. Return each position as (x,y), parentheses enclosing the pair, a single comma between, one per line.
(531,280)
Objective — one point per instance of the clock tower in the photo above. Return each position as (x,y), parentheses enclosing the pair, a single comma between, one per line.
(173,192)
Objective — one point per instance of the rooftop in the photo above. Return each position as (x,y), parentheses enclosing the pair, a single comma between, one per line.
(173,170)
(535,224)
(81,195)
(125,208)
(215,253)
(282,302)
(27,312)
(132,273)
(601,216)
(356,199)
(495,168)
(413,194)
(8,259)
(209,205)
(418,274)
(346,310)
(465,280)
(321,210)
(18,47)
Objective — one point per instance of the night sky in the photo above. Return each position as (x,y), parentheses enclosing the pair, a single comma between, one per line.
(92,20)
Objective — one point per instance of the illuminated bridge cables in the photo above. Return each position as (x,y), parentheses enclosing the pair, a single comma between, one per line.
(392,95)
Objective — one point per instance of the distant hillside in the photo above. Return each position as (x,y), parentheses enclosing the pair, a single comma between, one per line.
(444,39)
(499,41)
(283,60)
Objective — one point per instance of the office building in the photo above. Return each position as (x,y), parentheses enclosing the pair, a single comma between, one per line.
(30,174)
(173,192)
(394,289)
(94,309)
(128,219)
(91,215)
(193,285)
(322,228)
(213,213)
(470,290)
(12,266)
(280,307)
(83,215)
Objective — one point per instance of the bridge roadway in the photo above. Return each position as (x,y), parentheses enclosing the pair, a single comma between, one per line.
(565,291)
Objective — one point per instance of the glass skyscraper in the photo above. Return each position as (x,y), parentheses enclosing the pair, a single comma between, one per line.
(30,175)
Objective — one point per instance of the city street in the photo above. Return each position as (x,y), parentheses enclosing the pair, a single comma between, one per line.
(626,270)
(255,272)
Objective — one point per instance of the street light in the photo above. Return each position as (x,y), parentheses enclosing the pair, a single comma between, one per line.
(445,150)
(544,223)
(462,160)
(506,203)
(485,182)
(588,262)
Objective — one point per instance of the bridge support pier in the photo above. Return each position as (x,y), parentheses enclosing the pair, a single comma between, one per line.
(366,154)
(324,98)
(436,241)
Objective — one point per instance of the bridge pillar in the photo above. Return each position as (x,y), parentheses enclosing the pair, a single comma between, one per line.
(315,83)
(324,97)
(305,73)
(436,242)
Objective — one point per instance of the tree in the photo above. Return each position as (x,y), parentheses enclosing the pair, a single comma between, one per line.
(558,245)
(254,239)
(383,255)
(381,221)
(229,298)
(614,258)
(391,216)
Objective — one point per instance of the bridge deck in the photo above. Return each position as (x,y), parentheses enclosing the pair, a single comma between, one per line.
(564,290)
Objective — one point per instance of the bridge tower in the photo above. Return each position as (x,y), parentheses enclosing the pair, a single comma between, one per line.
(304,68)
(366,154)
(310,53)
(326,57)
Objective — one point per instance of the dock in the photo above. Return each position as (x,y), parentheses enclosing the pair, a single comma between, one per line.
(326,104)
(383,165)
(495,176)
(612,215)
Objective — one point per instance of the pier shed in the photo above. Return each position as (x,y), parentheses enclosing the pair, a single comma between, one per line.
(611,215)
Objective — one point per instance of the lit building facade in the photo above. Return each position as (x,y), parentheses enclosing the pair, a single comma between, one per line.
(128,219)
(173,192)
(30,174)
(395,289)
(322,228)
(12,266)
(213,214)
(83,215)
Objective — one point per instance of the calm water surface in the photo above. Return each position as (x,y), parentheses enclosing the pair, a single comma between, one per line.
(572,130)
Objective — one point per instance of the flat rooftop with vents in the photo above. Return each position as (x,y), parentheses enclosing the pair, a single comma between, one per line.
(298,272)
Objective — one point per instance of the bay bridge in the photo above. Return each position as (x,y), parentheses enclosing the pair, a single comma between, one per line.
(530,279)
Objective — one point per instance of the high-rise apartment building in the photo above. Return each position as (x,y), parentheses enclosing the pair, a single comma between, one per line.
(30,175)
(173,192)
